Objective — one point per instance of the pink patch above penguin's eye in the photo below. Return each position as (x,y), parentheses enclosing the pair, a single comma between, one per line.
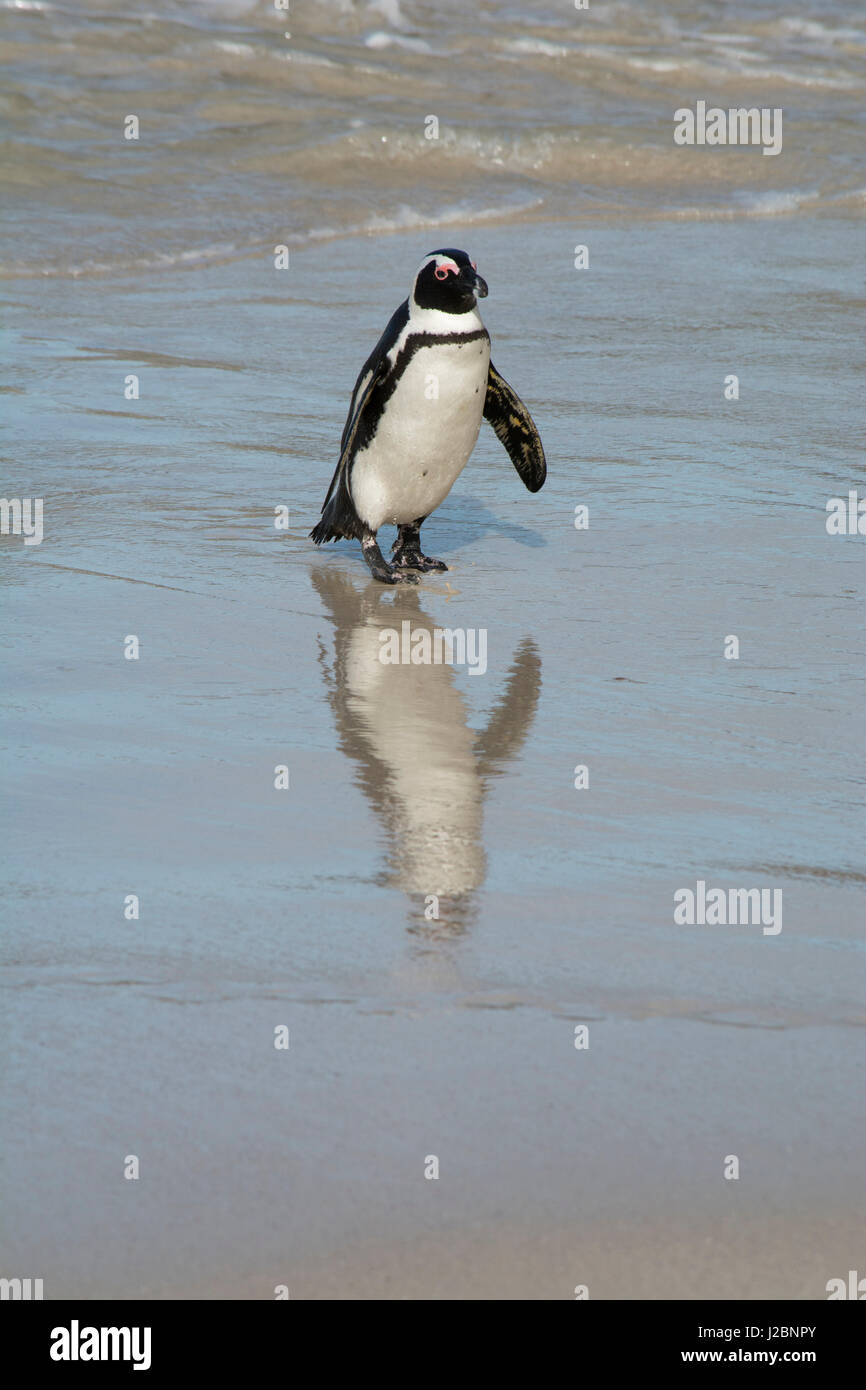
(445,269)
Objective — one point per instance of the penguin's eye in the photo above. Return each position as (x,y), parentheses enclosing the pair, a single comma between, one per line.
(442,272)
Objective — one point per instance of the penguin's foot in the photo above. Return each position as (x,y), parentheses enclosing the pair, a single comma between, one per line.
(414,560)
(387,575)
(378,565)
(406,550)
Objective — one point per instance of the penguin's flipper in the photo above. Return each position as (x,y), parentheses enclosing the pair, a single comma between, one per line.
(512,716)
(339,518)
(515,428)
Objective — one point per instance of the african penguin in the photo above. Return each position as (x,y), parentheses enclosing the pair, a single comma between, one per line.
(414,419)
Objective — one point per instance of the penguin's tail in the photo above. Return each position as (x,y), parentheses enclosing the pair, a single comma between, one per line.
(337,523)
(324,531)
(339,518)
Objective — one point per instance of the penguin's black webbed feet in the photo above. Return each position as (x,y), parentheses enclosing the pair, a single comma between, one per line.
(414,560)
(393,576)
(406,551)
(378,565)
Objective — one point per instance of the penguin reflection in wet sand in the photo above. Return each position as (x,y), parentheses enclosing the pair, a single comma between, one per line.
(415,415)
(424,769)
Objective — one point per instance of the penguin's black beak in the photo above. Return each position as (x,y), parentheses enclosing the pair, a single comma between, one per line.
(480,286)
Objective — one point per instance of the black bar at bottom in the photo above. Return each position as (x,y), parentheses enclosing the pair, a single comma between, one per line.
(161,1339)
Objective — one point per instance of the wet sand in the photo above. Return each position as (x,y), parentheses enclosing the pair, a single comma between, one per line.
(305,908)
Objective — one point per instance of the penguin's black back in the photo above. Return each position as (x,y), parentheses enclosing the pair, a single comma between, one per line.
(339,518)
(396,323)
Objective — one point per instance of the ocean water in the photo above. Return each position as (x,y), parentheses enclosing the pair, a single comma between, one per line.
(310,908)
(248,137)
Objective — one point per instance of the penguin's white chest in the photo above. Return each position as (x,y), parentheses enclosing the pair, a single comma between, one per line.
(428,429)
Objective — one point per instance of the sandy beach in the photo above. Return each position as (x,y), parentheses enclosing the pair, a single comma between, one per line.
(261,909)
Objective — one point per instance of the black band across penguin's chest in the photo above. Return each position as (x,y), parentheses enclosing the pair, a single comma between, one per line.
(385,388)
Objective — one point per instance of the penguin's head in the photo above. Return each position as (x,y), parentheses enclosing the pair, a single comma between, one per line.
(448,281)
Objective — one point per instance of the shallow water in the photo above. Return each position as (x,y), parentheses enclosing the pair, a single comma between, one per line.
(306,908)
(248,138)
